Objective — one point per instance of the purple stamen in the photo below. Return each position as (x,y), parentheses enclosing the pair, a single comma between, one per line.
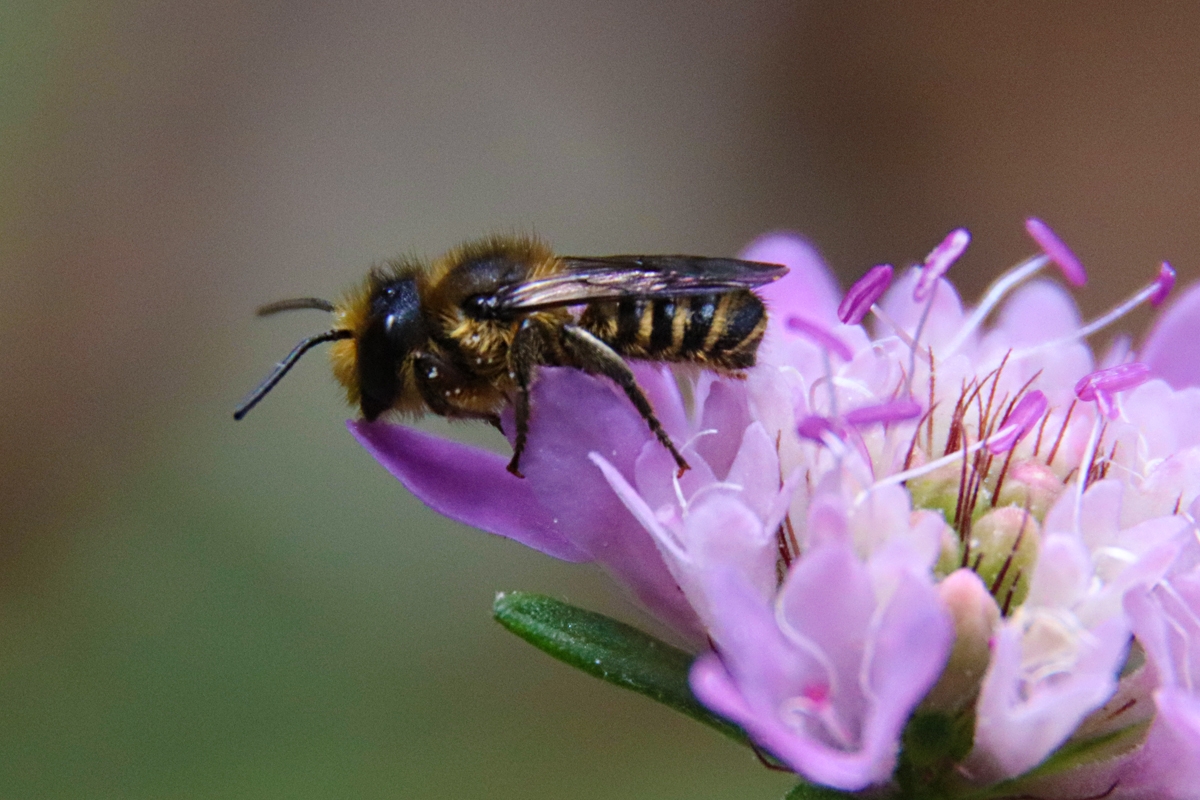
(1112,380)
(864,293)
(1060,254)
(891,411)
(939,260)
(815,427)
(1021,420)
(1102,385)
(821,336)
(1163,284)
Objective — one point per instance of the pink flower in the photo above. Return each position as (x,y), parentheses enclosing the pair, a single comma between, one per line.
(908,507)
(826,674)
(1166,621)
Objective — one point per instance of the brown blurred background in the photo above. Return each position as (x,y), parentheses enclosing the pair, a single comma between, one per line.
(195,608)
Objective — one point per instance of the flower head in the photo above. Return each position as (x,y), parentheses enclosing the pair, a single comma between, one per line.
(909,509)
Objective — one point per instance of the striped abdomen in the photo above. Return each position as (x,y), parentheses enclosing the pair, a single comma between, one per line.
(721,330)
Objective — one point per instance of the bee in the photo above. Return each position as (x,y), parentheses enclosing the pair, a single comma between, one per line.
(463,337)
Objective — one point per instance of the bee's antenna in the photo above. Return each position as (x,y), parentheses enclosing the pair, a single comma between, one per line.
(288,362)
(292,305)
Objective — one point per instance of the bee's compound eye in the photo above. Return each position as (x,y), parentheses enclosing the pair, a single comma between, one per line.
(399,310)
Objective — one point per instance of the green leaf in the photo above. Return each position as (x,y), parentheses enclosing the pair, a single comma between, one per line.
(610,650)
(808,791)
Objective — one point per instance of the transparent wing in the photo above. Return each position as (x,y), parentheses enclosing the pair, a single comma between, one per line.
(588,280)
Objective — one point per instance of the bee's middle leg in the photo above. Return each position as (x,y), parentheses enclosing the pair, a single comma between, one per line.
(532,346)
(593,356)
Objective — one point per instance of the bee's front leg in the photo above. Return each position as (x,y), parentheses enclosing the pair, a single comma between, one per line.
(439,380)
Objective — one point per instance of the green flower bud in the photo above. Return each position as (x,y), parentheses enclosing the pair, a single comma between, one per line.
(1030,484)
(975,616)
(1003,550)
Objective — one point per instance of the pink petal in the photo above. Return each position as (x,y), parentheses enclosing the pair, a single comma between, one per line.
(808,290)
(654,475)
(911,647)
(761,660)
(1167,767)
(761,672)
(945,317)
(725,409)
(756,470)
(466,484)
(1018,726)
(662,390)
(898,651)
(721,532)
(714,687)
(1165,617)
(573,415)
(808,286)
(834,621)
(822,336)
(1037,312)
(1170,351)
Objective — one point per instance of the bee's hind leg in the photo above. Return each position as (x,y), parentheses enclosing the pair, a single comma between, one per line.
(593,356)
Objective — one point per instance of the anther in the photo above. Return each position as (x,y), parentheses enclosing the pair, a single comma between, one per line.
(885,413)
(815,428)
(1163,284)
(1056,248)
(1112,380)
(1027,413)
(864,293)
(939,260)
(1101,385)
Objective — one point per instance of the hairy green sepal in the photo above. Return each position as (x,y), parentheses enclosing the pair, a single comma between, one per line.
(624,656)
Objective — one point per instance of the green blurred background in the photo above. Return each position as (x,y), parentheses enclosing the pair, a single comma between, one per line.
(195,608)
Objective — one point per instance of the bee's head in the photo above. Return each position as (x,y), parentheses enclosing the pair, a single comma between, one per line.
(393,330)
(378,328)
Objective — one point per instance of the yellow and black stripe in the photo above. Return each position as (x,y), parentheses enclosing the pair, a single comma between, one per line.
(720,329)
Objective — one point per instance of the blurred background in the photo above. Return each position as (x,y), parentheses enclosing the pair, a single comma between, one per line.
(195,608)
